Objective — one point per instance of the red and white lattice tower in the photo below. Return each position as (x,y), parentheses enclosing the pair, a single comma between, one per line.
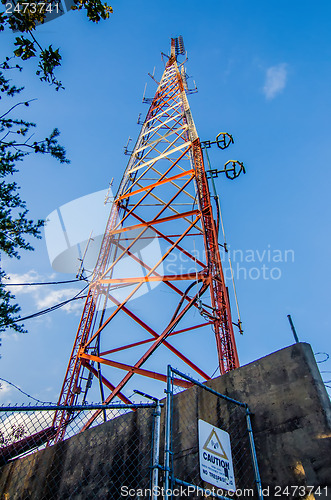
(158,289)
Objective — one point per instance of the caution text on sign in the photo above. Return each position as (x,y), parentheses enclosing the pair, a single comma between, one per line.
(215,457)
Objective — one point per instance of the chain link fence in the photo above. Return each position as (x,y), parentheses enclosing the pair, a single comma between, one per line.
(103,462)
(209,445)
(201,446)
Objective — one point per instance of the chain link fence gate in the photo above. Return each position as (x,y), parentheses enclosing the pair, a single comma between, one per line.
(104,462)
(209,445)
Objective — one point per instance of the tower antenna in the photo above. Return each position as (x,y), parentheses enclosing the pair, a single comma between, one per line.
(158,291)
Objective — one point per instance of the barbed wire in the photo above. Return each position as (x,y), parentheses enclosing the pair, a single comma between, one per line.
(25,393)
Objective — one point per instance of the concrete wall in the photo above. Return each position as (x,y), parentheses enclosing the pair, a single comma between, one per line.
(292,416)
(291,421)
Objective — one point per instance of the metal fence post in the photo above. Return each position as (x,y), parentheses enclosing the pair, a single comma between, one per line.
(253,453)
(156,450)
(167,441)
(156,444)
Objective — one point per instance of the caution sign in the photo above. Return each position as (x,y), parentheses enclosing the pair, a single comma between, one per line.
(215,457)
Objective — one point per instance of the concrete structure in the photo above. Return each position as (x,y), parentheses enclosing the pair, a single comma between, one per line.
(292,417)
(291,422)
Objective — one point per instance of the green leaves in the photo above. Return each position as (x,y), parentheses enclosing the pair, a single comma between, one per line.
(26,48)
(96,10)
(50,145)
(5,85)
(14,224)
(26,17)
(9,313)
(15,133)
(49,59)
(16,228)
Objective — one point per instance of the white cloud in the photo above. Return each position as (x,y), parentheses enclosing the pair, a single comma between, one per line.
(275,81)
(44,296)
(28,277)
(52,297)
(5,389)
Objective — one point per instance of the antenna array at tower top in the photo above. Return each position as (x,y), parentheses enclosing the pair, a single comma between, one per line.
(179,45)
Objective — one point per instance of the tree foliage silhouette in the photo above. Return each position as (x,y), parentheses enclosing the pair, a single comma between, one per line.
(16,229)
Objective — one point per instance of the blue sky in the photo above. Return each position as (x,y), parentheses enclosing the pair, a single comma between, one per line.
(263,73)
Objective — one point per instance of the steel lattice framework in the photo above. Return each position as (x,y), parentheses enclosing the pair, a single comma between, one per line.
(162,213)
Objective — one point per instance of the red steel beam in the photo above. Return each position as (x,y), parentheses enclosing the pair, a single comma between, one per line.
(134,369)
(149,352)
(144,279)
(148,341)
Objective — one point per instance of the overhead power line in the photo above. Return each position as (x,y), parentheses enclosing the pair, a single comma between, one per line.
(45,283)
(53,308)
(61,304)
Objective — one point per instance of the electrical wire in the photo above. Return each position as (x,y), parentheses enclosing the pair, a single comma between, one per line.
(325,382)
(323,360)
(215,372)
(56,306)
(50,309)
(45,283)
(25,393)
(61,304)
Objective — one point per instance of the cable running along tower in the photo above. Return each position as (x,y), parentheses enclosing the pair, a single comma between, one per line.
(158,286)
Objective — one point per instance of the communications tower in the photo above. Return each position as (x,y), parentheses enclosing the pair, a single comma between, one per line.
(158,290)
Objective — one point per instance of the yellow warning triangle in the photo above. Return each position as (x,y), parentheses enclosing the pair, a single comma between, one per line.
(214,445)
